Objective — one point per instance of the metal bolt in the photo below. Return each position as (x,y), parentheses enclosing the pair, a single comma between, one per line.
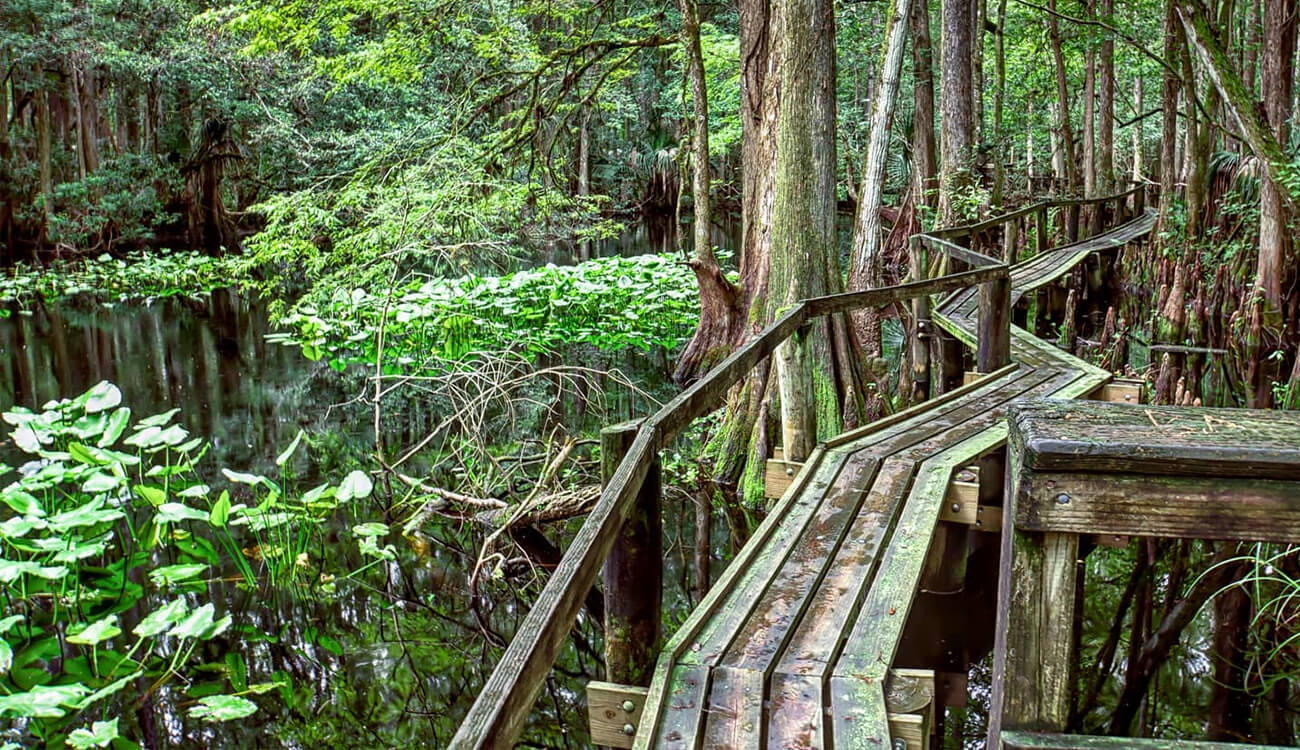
(900,744)
(629,730)
(956,507)
(629,706)
(1063,499)
(789,471)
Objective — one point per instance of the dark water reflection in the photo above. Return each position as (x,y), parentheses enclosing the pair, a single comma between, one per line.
(394,659)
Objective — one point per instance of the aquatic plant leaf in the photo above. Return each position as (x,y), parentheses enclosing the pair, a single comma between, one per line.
(176,512)
(195,491)
(107,690)
(6,657)
(99,735)
(162,618)
(88,514)
(158,420)
(7,623)
(370,529)
(199,624)
(152,495)
(220,512)
(18,526)
(189,445)
(239,477)
(355,486)
(146,438)
(170,574)
(79,454)
(288,452)
(72,549)
(25,438)
(90,425)
(101,397)
(223,708)
(173,436)
(96,632)
(10,570)
(42,701)
(101,482)
(22,502)
(115,427)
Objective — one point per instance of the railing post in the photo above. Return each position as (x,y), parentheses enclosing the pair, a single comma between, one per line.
(1010,240)
(994,350)
(633,571)
(1139,199)
(921,317)
(1072,223)
(1041,231)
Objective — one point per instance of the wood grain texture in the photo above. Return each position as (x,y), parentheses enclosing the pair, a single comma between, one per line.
(735,710)
(1188,507)
(1166,440)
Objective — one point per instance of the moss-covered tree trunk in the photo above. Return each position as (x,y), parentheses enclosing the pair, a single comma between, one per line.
(788,244)
(955,107)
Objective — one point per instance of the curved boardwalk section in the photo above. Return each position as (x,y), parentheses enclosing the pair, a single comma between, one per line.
(793,646)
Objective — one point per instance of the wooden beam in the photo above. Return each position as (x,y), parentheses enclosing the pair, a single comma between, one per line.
(778,476)
(961,503)
(614,712)
(1119,392)
(1261,510)
(912,729)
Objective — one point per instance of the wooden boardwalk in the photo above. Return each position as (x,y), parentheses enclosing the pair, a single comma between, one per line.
(794,645)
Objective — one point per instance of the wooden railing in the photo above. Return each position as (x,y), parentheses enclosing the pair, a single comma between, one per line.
(497,716)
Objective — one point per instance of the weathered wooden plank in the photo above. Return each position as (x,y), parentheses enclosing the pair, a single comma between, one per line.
(858,714)
(1262,510)
(715,635)
(912,729)
(614,712)
(1046,741)
(1095,436)
(735,710)
(994,345)
(953,250)
(761,635)
(721,590)
(499,711)
(870,647)
(681,725)
(797,714)
(813,646)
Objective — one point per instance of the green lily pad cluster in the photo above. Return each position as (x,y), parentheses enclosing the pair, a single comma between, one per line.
(109,541)
(609,304)
(116,279)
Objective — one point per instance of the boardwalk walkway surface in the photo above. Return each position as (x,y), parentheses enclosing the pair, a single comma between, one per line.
(792,647)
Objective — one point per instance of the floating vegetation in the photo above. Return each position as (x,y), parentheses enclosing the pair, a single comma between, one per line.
(138,276)
(609,304)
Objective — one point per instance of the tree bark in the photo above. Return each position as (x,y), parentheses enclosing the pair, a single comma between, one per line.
(955,106)
(1090,115)
(924,162)
(864,271)
(1106,103)
(1169,119)
(1062,99)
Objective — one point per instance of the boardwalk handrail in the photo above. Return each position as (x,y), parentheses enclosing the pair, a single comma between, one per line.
(498,714)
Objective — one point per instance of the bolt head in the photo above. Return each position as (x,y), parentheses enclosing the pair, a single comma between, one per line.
(629,730)
(789,471)
(1063,499)
(956,507)
(629,706)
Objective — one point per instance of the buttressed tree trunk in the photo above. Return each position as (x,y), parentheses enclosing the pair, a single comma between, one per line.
(1106,105)
(788,246)
(864,271)
(955,107)
(1062,98)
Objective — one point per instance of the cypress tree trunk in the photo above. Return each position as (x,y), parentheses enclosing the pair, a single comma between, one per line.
(1106,103)
(1062,99)
(924,162)
(955,107)
(1169,118)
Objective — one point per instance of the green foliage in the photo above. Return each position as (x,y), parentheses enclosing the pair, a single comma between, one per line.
(609,304)
(109,541)
(109,279)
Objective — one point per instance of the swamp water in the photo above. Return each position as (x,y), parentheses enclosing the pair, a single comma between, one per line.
(389,658)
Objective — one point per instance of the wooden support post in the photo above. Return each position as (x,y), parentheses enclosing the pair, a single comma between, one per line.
(948,352)
(920,335)
(633,571)
(1010,241)
(995,325)
(614,713)
(1139,199)
(1040,231)
(1072,223)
